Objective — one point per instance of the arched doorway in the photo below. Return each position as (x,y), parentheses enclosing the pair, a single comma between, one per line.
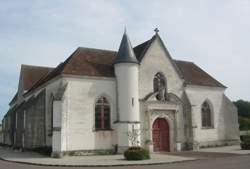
(160,134)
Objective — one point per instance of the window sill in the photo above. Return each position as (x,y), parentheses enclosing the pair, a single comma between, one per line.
(97,130)
(206,128)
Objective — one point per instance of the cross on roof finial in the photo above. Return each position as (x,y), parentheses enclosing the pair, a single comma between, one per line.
(156,30)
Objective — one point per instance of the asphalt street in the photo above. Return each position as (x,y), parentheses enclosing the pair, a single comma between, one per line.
(227,162)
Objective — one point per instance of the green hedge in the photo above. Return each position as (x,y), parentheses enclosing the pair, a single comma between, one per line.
(136,153)
(43,150)
(245,142)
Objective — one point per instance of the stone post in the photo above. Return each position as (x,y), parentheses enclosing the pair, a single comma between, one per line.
(58,140)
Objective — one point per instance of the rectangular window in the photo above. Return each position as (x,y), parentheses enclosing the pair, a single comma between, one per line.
(106,117)
(98,117)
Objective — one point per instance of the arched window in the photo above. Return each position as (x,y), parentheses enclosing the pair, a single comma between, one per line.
(206,114)
(160,86)
(102,114)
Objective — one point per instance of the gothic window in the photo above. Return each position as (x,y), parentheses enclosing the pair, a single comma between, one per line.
(160,86)
(102,114)
(206,114)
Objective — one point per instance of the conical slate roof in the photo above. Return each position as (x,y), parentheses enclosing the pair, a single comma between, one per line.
(126,53)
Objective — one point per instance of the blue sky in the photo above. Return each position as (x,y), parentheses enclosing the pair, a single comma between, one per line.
(213,34)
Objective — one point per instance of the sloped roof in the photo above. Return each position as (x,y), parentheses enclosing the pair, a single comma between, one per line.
(194,75)
(84,61)
(31,74)
(98,62)
(13,100)
(125,53)
(142,48)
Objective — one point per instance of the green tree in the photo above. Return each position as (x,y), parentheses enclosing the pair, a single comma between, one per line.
(244,114)
(243,108)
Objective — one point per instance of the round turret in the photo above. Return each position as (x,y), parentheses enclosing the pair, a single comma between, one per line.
(126,71)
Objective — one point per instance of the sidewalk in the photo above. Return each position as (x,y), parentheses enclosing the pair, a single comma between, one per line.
(118,160)
(226,149)
(104,160)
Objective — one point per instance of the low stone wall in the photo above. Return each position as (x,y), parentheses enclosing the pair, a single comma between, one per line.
(83,153)
(218,143)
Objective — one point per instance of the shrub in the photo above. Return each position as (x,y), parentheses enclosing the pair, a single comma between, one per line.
(245,145)
(136,153)
(245,142)
(43,150)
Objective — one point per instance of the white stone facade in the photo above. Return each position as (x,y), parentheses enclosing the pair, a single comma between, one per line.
(82,92)
(70,108)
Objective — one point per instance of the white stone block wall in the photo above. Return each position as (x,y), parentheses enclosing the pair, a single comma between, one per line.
(232,132)
(157,60)
(81,95)
(51,90)
(127,87)
(197,95)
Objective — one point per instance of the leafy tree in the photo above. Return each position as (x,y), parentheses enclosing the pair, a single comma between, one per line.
(244,123)
(244,114)
(243,108)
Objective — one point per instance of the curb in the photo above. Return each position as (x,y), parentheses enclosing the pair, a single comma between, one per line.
(111,165)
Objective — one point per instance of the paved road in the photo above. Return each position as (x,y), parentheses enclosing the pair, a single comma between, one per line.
(229,162)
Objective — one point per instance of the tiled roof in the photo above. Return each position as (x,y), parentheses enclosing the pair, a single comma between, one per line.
(142,48)
(84,61)
(194,75)
(31,74)
(98,62)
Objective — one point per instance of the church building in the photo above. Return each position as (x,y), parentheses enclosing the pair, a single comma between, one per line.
(102,100)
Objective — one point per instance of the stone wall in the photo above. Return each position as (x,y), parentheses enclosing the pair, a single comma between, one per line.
(18,126)
(214,95)
(157,60)
(51,90)
(1,134)
(6,130)
(78,113)
(232,132)
(35,122)
(187,116)
(24,126)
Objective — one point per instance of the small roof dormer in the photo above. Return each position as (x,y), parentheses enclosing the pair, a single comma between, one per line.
(126,53)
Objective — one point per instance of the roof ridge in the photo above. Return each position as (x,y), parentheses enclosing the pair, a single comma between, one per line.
(209,75)
(59,69)
(196,69)
(88,48)
(145,45)
(35,66)
(141,44)
(177,60)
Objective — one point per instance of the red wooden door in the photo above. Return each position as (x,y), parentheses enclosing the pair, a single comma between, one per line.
(161,135)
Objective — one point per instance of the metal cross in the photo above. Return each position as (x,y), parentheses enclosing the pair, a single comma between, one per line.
(156,30)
